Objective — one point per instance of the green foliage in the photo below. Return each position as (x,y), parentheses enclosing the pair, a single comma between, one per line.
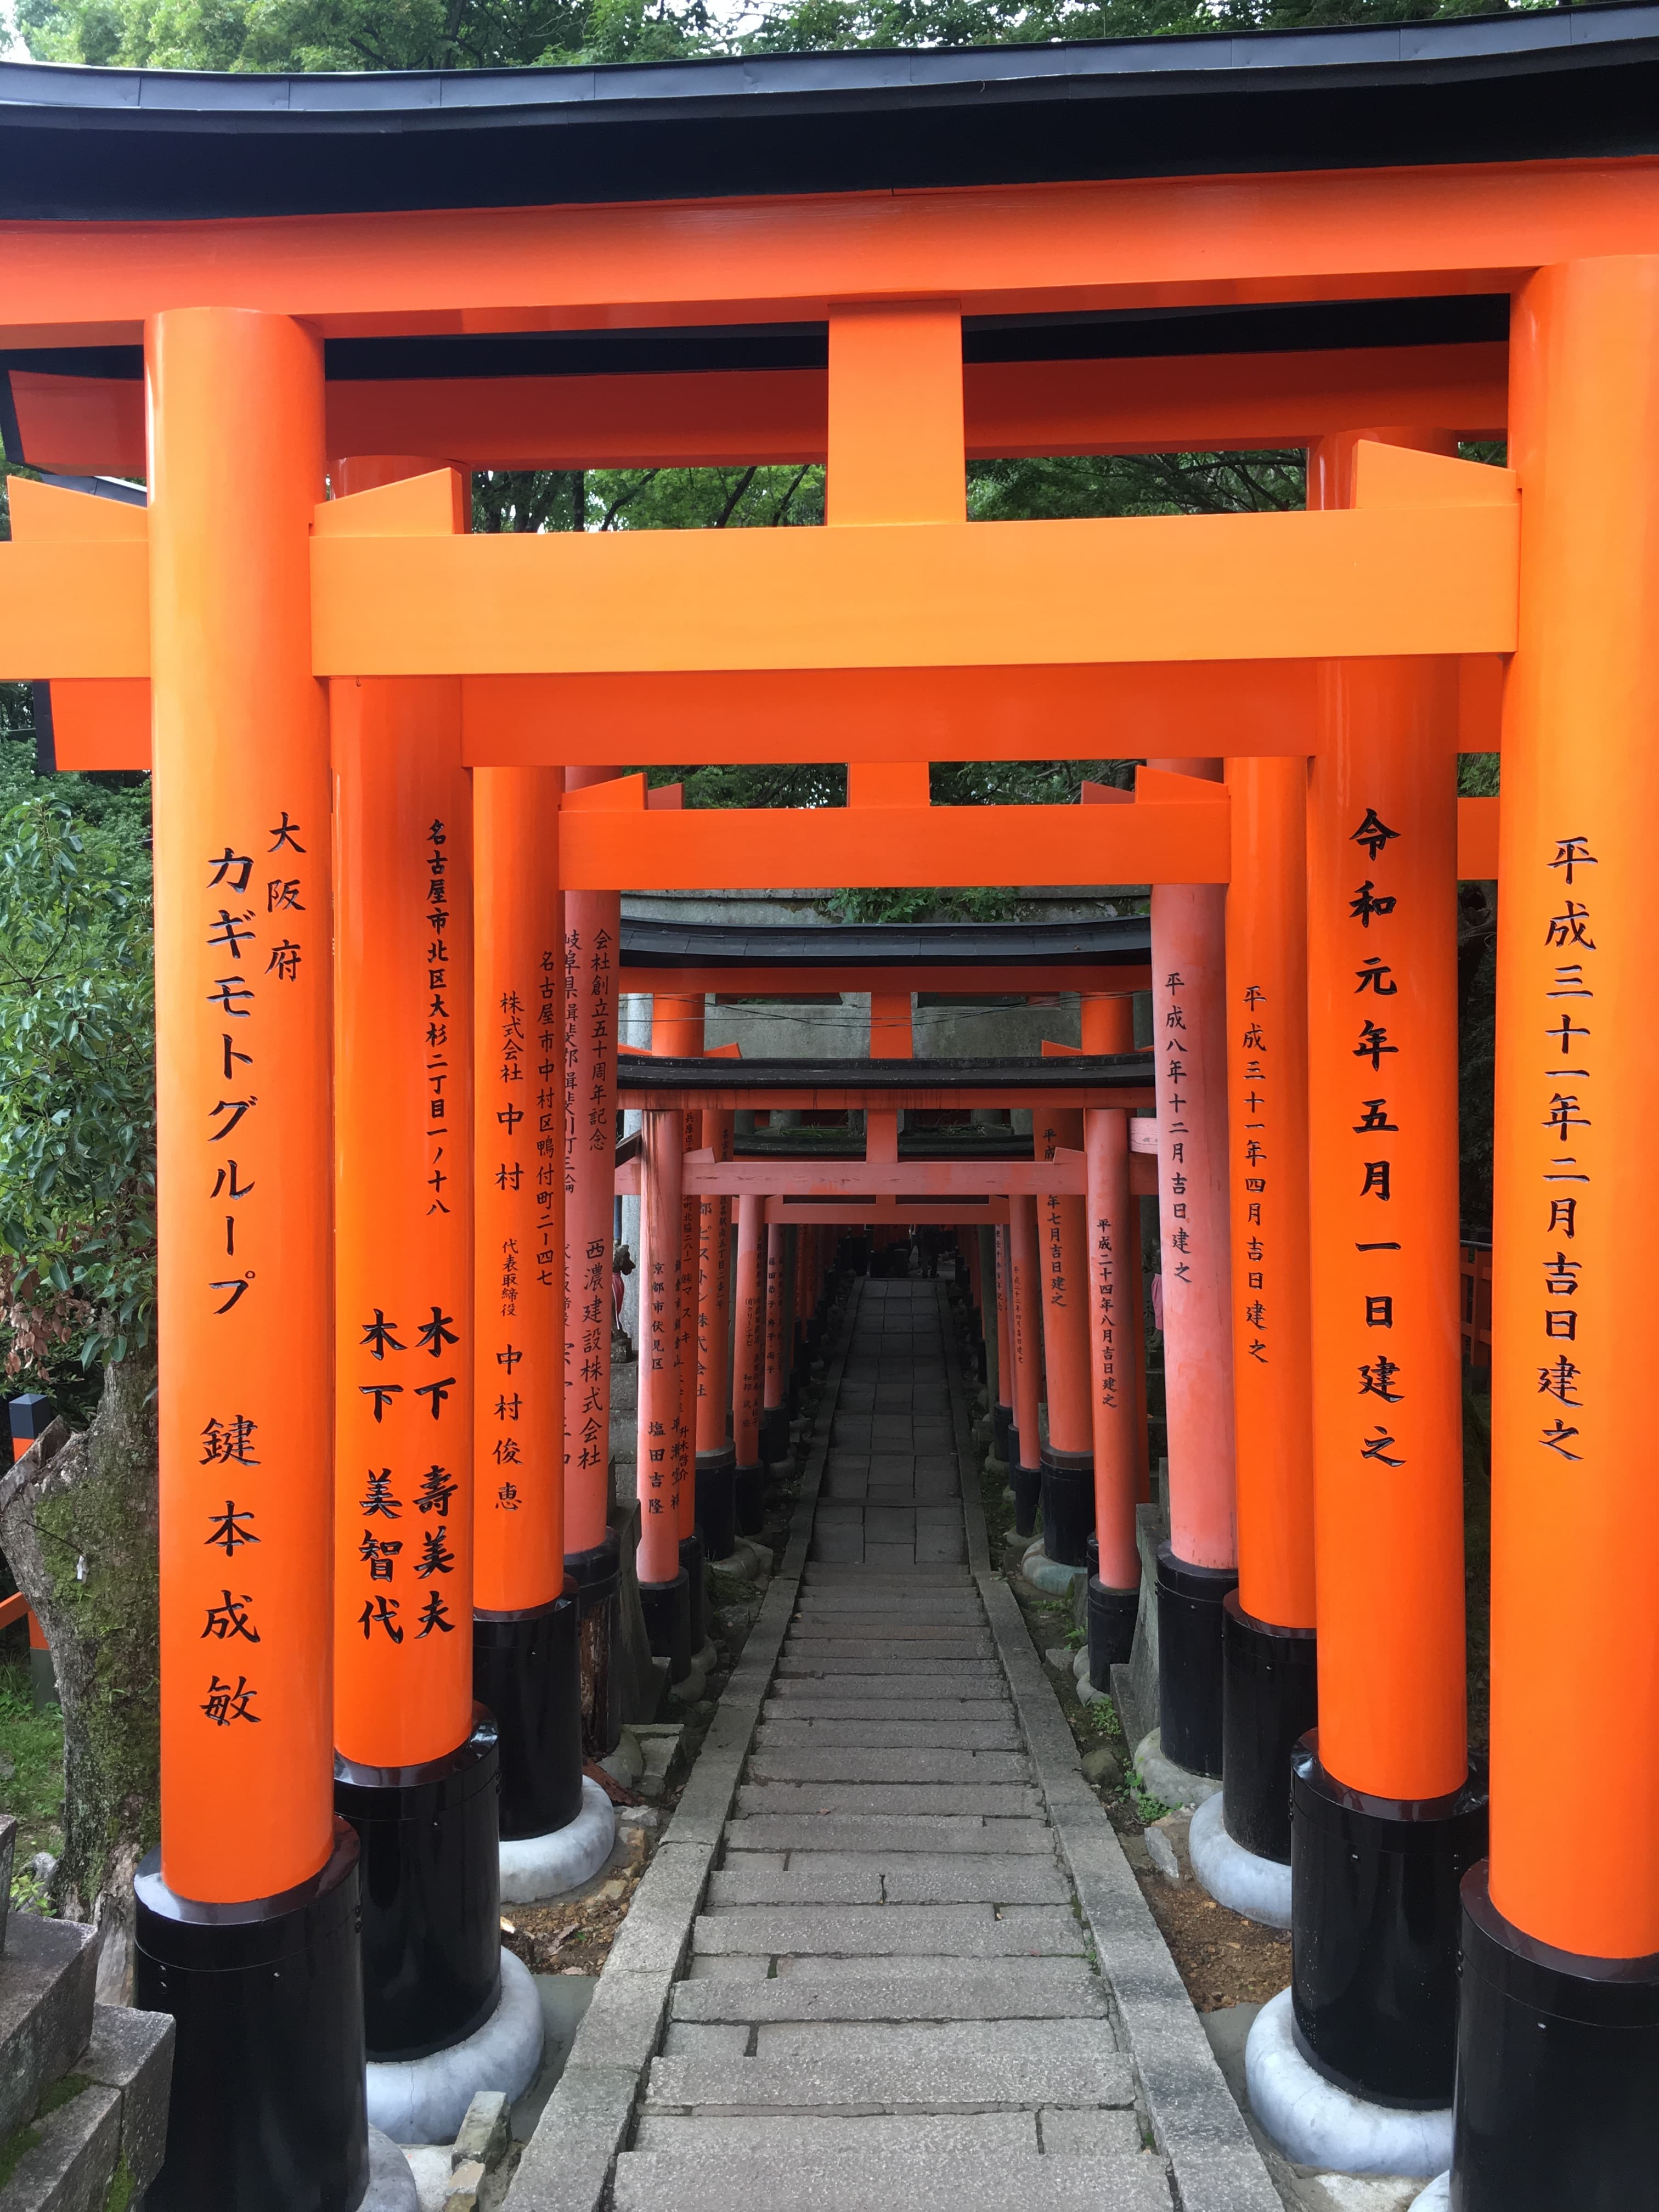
(77,1039)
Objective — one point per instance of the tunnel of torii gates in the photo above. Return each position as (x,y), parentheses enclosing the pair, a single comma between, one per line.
(302,310)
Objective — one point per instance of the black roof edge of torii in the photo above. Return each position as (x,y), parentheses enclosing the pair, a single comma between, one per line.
(1558,83)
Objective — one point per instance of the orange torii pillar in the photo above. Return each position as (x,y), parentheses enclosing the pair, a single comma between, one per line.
(1002,1397)
(267,2103)
(593,931)
(417,1765)
(1112,1230)
(1270,1691)
(1025,1356)
(749,1366)
(775,1412)
(1559,2038)
(1198,1566)
(678,1032)
(1067,1453)
(1385,1819)
(664,1441)
(556,1829)
(717,1461)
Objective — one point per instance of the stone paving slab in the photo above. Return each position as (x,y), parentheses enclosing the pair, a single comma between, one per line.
(803,1878)
(877,1931)
(850,1764)
(847,1659)
(762,2133)
(997,1878)
(878,1636)
(916,1578)
(932,2043)
(1048,1989)
(805,1690)
(892,1735)
(990,1800)
(874,1831)
(913,2078)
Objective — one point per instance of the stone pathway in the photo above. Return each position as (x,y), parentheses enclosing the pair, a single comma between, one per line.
(889,2005)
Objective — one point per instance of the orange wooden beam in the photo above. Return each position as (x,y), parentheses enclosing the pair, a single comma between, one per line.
(859,1097)
(966,981)
(1000,249)
(1396,579)
(95,425)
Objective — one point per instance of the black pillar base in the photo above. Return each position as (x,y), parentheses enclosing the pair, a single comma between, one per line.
(267,2112)
(1557,2058)
(1002,1426)
(431,1893)
(749,1498)
(1026,1483)
(717,1503)
(775,1435)
(667,1610)
(692,1555)
(1189,1661)
(597,1577)
(1112,1616)
(1375,1919)
(1270,1700)
(526,1671)
(1068,1504)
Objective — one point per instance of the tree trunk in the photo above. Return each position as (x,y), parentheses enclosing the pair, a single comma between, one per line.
(78,1524)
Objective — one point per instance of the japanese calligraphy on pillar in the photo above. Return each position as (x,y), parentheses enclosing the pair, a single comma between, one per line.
(255,921)
(405,1284)
(1171,1070)
(589,1127)
(1565,1098)
(1250,1147)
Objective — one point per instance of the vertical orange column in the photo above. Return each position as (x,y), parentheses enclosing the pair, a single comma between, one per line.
(664,1443)
(405,1720)
(244,1314)
(775,1427)
(404,1206)
(1068,1482)
(749,1363)
(1025,1358)
(1198,1566)
(593,931)
(1002,1413)
(1113,1259)
(1576,1217)
(1270,1691)
(1387,1402)
(524,1630)
(716,1476)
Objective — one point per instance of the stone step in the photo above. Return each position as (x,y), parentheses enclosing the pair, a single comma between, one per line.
(47,1975)
(68,2157)
(812,1626)
(131,2052)
(876,1831)
(869,1878)
(998,2181)
(838,1577)
(905,2075)
(800,1699)
(1004,1989)
(762,2134)
(937,2044)
(967,1668)
(891,1931)
(890,1604)
(974,1768)
(887,1735)
(989,1801)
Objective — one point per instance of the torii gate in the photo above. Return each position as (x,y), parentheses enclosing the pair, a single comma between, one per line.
(1366,635)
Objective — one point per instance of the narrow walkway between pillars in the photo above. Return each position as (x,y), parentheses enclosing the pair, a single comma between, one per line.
(890,2000)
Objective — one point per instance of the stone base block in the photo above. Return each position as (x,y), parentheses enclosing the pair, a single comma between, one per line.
(392,2185)
(1162,1778)
(1049,1575)
(1257,1888)
(423,2100)
(534,1868)
(1315,2123)
(1436,2198)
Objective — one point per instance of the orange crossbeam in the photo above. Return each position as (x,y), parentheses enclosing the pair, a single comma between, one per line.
(1353,583)
(859,1097)
(963,981)
(730,417)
